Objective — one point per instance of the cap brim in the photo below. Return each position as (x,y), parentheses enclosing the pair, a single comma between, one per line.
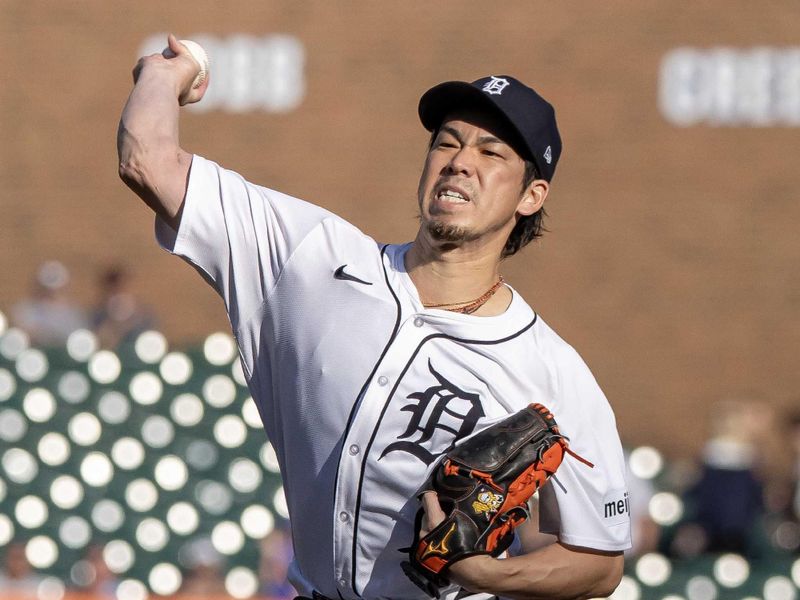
(442,99)
(437,102)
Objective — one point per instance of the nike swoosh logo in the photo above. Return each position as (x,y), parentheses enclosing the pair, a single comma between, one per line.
(340,273)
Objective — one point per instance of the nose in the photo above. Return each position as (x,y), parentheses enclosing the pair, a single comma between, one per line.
(462,162)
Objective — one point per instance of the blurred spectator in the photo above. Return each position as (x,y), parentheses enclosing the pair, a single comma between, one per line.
(18,576)
(48,316)
(726,504)
(203,576)
(276,554)
(119,315)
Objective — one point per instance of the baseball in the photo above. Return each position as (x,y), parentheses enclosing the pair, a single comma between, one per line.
(200,57)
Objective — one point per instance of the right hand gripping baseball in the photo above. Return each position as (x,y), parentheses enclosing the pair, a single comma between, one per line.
(176,64)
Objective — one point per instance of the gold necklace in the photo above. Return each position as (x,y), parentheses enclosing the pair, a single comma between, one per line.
(469,306)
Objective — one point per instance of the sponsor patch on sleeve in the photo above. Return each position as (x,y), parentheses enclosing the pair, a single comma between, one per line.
(616,507)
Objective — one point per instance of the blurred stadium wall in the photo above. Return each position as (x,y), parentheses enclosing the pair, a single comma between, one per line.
(671,262)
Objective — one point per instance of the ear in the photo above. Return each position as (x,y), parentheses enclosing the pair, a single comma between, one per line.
(533,197)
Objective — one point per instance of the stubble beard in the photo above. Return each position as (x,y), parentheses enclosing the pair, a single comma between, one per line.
(450,234)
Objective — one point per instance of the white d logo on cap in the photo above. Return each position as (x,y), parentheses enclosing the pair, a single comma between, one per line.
(495,85)
(548,155)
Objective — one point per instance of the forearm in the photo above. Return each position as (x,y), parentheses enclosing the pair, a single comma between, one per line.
(554,572)
(151,161)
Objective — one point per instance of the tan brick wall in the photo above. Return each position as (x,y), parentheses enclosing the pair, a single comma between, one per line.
(671,263)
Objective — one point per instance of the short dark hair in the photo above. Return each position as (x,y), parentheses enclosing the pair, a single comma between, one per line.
(528,227)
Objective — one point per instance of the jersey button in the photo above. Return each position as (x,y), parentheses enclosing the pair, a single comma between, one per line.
(354,449)
(343,582)
(383,380)
(344,517)
(419,322)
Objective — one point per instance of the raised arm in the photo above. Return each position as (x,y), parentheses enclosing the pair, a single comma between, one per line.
(151,161)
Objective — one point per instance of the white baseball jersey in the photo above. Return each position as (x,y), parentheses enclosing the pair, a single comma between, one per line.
(360,387)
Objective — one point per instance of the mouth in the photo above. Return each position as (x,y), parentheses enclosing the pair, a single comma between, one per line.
(451,194)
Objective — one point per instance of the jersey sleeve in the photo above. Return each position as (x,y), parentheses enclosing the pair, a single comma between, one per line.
(586,506)
(237,235)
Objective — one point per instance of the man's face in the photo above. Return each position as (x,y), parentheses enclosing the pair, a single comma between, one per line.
(471,186)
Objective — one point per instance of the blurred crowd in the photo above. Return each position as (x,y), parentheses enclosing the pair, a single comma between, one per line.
(49,314)
(203,573)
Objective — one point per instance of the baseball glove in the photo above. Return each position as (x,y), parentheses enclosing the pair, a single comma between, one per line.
(483,486)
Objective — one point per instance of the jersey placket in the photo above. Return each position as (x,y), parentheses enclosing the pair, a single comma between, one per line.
(356,449)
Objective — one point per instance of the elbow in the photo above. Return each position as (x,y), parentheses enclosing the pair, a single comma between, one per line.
(613,576)
(130,173)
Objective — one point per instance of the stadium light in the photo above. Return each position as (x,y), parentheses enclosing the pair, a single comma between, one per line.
(665,508)
(32,365)
(13,342)
(53,449)
(653,569)
(127,453)
(66,492)
(81,345)
(241,582)
(731,570)
(279,502)
(268,458)
(104,367)
(20,465)
(131,589)
(215,497)
(13,425)
(96,469)
(186,410)
(74,532)
(227,537)
(230,431)
(250,413)
(8,384)
(146,388)
(84,429)
(41,552)
(39,405)
(171,473)
(257,521)
(157,431)
(175,368)
(201,454)
(113,407)
(244,475)
(183,518)
(74,387)
(152,535)
(31,512)
(219,391)
(779,587)
(219,349)
(119,556)
(165,579)
(628,589)
(150,346)
(701,587)
(107,515)
(141,495)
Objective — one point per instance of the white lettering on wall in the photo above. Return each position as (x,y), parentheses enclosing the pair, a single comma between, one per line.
(731,87)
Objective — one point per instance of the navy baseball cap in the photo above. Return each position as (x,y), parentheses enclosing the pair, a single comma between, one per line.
(529,115)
